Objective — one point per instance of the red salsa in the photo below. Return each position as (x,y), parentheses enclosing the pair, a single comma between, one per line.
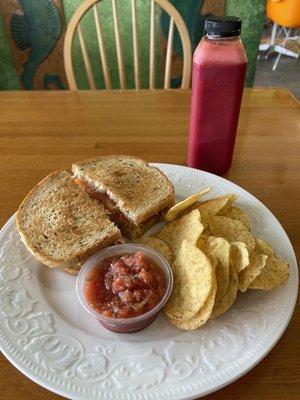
(125,286)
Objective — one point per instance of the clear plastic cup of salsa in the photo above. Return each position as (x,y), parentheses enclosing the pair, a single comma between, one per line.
(125,286)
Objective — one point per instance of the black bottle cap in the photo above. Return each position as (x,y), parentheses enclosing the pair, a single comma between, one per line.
(223,26)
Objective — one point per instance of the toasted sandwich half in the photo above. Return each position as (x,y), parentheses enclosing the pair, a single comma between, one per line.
(135,194)
(61,225)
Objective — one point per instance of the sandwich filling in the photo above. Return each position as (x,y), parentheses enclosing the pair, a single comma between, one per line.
(114,213)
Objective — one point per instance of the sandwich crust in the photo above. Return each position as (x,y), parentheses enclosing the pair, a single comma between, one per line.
(61,226)
(140,191)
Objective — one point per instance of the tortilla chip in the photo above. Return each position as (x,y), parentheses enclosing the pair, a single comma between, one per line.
(157,244)
(220,249)
(254,269)
(202,242)
(239,256)
(211,207)
(202,245)
(273,275)
(238,214)
(187,227)
(231,199)
(232,230)
(222,280)
(226,301)
(207,231)
(263,247)
(193,280)
(202,316)
(183,205)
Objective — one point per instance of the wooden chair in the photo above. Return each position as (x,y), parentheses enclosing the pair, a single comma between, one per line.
(175,20)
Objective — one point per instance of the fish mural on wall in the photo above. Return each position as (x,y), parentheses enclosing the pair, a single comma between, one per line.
(36,27)
(35,31)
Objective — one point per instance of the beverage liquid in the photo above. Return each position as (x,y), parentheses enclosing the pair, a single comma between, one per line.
(219,68)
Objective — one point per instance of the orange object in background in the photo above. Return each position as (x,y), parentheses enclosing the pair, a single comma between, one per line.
(284,12)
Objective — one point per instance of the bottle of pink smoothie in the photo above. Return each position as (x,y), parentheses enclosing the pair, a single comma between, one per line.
(219,69)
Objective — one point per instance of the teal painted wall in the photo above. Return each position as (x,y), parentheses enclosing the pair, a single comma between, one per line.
(251,11)
(8,76)
(252,14)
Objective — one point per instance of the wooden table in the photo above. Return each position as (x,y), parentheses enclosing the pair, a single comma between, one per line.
(44,131)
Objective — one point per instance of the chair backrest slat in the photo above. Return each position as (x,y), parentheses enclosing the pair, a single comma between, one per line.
(86,60)
(152,75)
(102,52)
(168,67)
(118,45)
(135,46)
(175,21)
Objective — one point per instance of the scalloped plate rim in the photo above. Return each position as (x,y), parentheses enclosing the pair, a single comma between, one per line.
(45,384)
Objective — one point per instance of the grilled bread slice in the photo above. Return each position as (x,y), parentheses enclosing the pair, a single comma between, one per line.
(61,225)
(135,194)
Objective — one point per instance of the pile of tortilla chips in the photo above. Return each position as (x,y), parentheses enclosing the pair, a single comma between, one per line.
(213,255)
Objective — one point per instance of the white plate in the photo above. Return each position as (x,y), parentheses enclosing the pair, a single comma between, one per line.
(48,336)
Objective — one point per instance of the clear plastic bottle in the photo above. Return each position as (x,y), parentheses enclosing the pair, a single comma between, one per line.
(219,69)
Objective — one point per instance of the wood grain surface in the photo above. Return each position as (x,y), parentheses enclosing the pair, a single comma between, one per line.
(45,131)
